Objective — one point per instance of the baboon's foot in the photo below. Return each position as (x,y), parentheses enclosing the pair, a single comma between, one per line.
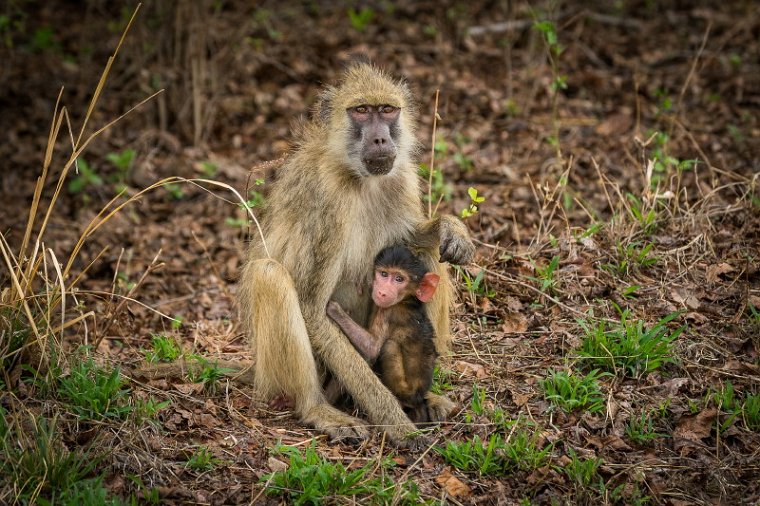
(336,424)
(282,402)
(439,407)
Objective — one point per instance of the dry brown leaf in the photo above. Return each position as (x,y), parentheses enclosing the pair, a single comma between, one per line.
(686,297)
(515,323)
(696,427)
(189,388)
(276,465)
(520,399)
(715,270)
(470,369)
(452,485)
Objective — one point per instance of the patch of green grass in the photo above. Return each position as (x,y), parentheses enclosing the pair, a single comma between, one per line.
(165,349)
(42,469)
(736,406)
(477,285)
(640,429)
(627,347)
(570,391)
(311,479)
(94,392)
(360,19)
(630,258)
(584,473)
(547,283)
(441,380)
(84,179)
(202,460)
(208,372)
(645,217)
(521,451)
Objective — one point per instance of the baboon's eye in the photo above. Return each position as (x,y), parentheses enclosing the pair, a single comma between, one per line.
(399,279)
(361,109)
(387,109)
(383,274)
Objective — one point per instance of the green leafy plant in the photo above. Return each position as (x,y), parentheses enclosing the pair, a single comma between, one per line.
(646,218)
(584,474)
(256,199)
(41,467)
(202,460)
(440,189)
(545,275)
(522,451)
(570,392)
(360,19)
(475,201)
(735,406)
(175,190)
(177,322)
(441,380)
(559,82)
(310,479)
(84,179)
(640,429)
(663,165)
(631,257)
(95,393)
(477,285)
(165,349)
(207,372)
(627,347)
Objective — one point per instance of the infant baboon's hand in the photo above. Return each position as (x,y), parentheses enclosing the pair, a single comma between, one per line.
(333,309)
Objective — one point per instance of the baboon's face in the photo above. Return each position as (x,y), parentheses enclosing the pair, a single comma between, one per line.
(375,129)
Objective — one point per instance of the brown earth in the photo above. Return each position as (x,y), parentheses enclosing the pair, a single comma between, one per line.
(648,84)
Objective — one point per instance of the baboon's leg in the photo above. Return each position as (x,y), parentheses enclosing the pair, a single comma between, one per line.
(282,350)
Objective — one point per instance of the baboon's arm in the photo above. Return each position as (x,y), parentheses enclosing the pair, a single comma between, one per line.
(367,344)
(449,235)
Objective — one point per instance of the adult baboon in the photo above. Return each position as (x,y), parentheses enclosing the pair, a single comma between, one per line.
(348,189)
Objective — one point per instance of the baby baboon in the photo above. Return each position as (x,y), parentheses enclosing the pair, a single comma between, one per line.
(349,188)
(399,338)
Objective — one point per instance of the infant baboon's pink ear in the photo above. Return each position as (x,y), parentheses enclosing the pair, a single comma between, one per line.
(428,284)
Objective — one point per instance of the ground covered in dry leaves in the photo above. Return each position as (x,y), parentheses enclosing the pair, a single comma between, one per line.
(617,147)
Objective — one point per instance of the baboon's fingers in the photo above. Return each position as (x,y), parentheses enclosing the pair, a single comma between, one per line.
(337,425)
(439,407)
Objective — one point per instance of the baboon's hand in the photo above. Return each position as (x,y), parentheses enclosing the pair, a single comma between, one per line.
(333,310)
(439,407)
(456,246)
(415,442)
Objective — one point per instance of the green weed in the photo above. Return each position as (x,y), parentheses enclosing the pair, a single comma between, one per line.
(646,218)
(441,380)
(95,393)
(85,179)
(628,348)
(202,460)
(440,189)
(545,275)
(665,165)
(360,19)
(475,201)
(42,469)
(522,451)
(641,429)
(584,473)
(477,285)
(208,373)
(570,392)
(630,258)
(165,349)
(311,479)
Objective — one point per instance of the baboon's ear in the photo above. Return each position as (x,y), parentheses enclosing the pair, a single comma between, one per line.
(428,284)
